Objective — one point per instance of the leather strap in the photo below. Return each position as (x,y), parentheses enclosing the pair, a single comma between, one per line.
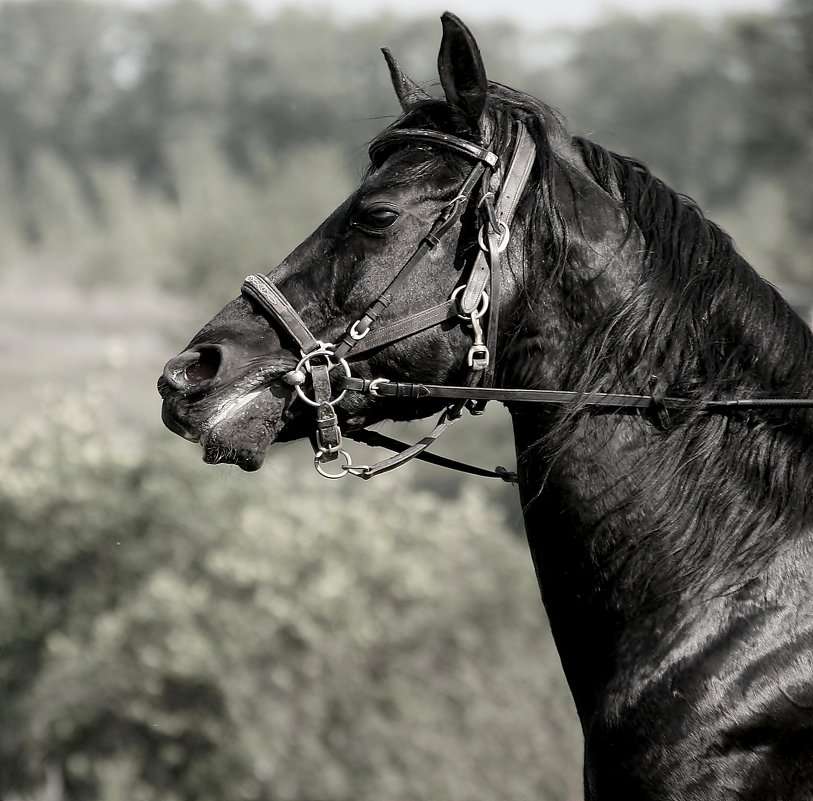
(394,138)
(450,215)
(402,389)
(401,329)
(611,400)
(375,439)
(267,296)
(494,286)
(513,184)
(410,452)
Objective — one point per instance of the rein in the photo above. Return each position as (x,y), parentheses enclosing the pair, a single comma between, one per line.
(469,303)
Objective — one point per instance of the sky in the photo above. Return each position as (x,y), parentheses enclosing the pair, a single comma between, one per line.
(538,13)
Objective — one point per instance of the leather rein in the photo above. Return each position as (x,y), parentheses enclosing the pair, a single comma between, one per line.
(469,303)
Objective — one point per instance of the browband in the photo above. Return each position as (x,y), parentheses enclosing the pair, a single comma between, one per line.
(397,137)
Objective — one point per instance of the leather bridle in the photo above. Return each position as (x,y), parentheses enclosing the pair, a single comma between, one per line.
(499,194)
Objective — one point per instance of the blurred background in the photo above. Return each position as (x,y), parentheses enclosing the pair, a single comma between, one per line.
(176,632)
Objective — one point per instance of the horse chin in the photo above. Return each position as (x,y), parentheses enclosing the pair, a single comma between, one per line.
(242,429)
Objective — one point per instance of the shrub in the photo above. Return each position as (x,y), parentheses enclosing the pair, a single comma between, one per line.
(174,631)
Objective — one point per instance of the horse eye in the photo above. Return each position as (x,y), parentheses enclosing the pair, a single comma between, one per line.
(377,218)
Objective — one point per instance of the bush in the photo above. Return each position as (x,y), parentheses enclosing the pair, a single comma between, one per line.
(174,631)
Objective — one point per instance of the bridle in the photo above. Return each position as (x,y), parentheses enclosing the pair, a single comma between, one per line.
(499,194)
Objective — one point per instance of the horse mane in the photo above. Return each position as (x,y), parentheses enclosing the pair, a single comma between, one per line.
(700,324)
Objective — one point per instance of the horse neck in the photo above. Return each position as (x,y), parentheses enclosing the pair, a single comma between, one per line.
(576,522)
(629,525)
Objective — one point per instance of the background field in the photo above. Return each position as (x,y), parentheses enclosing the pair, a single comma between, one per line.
(175,631)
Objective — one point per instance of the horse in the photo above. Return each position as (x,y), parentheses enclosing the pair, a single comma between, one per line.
(659,392)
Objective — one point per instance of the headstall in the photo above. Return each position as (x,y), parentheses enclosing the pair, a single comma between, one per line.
(471,302)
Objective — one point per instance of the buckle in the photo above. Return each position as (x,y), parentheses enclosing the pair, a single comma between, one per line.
(479,356)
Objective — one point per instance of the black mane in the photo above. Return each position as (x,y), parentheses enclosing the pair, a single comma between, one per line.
(702,322)
(705,325)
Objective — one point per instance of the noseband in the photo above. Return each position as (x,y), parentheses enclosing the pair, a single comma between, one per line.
(499,193)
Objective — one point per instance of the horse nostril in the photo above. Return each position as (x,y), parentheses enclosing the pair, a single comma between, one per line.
(193,369)
(205,368)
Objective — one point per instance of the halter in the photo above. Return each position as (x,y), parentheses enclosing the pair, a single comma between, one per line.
(469,303)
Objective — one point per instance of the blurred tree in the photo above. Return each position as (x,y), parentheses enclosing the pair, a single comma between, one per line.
(779,140)
(168,635)
(721,110)
(56,83)
(145,653)
(664,89)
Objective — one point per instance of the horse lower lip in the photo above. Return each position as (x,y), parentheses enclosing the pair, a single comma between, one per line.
(247,460)
(230,408)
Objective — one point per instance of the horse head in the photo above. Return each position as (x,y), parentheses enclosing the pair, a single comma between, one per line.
(396,282)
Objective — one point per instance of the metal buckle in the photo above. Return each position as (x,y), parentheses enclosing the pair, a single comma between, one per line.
(372,389)
(505,238)
(327,448)
(481,309)
(328,433)
(354,333)
(479,356)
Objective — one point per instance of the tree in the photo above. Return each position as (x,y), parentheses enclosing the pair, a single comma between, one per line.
(168,634)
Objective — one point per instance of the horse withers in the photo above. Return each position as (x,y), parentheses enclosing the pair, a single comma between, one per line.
(490,254)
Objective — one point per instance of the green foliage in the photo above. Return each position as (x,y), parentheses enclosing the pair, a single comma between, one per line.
(163,143)
(171,632)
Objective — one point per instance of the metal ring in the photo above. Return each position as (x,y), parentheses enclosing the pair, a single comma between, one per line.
(505,238)
(345,468)
(482,306)
(324,350)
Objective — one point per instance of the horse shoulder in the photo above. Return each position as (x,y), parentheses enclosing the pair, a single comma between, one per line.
(724,708)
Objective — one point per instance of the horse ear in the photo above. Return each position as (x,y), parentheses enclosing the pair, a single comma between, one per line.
(407,90)
(461,70)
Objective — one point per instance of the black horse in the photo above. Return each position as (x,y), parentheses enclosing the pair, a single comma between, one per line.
(671,532)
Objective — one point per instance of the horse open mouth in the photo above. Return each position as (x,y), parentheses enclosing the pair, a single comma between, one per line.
(235,425)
